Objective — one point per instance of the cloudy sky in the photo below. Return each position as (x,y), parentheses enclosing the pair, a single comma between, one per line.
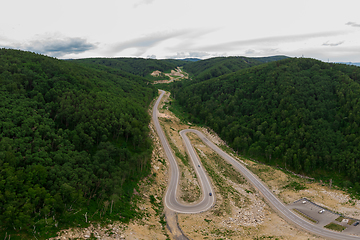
(327,30)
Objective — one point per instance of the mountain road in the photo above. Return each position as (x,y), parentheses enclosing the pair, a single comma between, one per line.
(208,201)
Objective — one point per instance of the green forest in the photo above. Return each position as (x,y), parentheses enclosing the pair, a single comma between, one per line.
(137,66)
(74,142)
(74,136)
(300,114)
(215,67)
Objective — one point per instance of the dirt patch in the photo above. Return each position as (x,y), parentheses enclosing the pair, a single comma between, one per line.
(156,73)
(174,75)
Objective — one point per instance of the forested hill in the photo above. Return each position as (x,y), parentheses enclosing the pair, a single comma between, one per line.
(181,62)
(301,114)
(270,59)
(138,66)
(73,142)
(215,67)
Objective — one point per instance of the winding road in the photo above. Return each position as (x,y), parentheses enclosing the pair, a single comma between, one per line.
(170,198)
(208,201)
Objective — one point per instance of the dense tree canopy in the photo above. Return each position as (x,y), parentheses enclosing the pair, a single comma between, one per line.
(138,66)
(215,67)
(72,140)
(181,62)
(302,114)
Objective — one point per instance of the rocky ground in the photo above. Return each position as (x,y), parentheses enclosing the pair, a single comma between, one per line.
(239,212)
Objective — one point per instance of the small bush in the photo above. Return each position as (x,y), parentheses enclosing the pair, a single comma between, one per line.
(336,227)
(296,186)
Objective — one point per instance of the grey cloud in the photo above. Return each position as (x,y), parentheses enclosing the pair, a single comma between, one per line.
(60,47)
(55,46)
(198,54)
(189,55)
(262,52)
(352,24)
(3,38)
(250,51)
(229,46)
(190,39)
(338,54)
(143,2)
(7,43)
(346,50)
(332,44)
(142,44)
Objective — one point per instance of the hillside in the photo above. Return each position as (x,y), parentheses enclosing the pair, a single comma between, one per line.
(301,114)
(73,139)
(215,67)
(138,66)
(270,59)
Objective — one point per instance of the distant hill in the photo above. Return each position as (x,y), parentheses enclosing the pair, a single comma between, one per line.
(301,114)
(201,69)
(215,67)
(351,63)
(73,139)
(181,62)
(270,59)
(190,59)
(138,66)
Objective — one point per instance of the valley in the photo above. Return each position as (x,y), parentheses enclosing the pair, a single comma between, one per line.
(239,212)
(292,122)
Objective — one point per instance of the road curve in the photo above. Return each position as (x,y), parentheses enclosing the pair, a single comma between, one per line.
(170,197)
(207,201)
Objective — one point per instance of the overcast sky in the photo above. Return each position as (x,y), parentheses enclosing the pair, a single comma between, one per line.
(325,30)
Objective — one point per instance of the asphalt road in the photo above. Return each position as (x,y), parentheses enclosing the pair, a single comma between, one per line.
(170,197)
(207,202)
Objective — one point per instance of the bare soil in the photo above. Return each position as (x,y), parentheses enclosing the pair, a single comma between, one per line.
(174,75)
